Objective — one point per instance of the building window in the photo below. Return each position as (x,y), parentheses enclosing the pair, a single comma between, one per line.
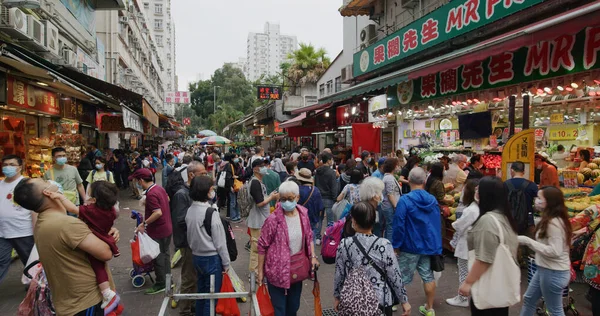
(329,87)
(322,90)
(158,8)
(146,5)
(159,41)
(158,24)
(338,84)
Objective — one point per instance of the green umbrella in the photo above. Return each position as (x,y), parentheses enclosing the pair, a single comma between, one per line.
(214,140)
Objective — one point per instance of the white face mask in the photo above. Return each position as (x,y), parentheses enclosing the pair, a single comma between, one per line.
(211,195)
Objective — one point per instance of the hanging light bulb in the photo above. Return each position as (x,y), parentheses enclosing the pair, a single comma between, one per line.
(469,101)
(431,108)
(353,110)
(560,88)
(547,90)
(326,114)
(346,114)
(476,101)
(390,113)
(569,89)
(574,85)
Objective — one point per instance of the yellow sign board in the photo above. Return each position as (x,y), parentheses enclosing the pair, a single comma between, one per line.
(520,147)
(565,132)
(557,118)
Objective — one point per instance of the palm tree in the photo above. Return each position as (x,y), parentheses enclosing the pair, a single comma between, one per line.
(307,65)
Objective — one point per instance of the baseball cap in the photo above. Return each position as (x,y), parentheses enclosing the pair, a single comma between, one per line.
(381,161)
(141,173)
(258,163)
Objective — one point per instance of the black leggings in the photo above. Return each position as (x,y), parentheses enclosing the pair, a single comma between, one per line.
(595,296)
(488,312)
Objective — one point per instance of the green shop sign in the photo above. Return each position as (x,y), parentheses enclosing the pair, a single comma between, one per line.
(449,21)
(566,54)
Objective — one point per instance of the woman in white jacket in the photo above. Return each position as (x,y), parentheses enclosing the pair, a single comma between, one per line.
(461,226)
(552,244)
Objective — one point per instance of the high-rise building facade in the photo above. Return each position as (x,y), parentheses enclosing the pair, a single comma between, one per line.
(267,50)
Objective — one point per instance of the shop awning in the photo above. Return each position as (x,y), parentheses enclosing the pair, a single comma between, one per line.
(314,107)
(360,89)
(356,7)
(296,121)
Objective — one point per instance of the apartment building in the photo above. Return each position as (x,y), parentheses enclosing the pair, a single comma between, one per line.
(267,50)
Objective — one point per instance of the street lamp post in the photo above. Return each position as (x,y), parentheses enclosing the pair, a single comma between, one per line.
(215,98)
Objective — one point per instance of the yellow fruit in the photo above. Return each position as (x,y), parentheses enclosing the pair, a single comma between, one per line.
(452,217)
(596,161)
(586,171)
(592,166)
(580,178)
(595,173)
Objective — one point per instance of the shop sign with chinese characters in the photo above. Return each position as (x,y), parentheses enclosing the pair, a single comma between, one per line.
(268,92)
(557,118)
(564,55)
(520,147)
(451,20)
(177,97)
(132,121)
(563,132)
(30,97)
(77,110)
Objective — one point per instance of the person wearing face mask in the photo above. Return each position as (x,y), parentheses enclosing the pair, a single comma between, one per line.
(157,224)
(16,223)
(99,174)
(210,255)
(260,208)
(551,245)
(363,165)
(305,161)
(66,175)
(286,237)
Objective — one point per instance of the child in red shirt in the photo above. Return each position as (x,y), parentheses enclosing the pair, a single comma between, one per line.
(99,214)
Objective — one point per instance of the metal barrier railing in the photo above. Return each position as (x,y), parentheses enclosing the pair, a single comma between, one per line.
(212,296)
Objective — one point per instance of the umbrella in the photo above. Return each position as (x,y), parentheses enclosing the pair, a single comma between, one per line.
(206,133)
(317,293)
(191,141)
(214,140)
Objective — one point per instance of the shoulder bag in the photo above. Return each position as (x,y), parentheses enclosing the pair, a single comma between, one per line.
(500,285)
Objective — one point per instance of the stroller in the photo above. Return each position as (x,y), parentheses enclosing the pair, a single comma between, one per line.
(568,301)
(138,273)
(38,301)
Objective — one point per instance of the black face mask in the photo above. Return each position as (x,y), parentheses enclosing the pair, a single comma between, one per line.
(305,158)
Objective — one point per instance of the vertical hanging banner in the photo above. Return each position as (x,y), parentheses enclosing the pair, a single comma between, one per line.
(132,121)
(520,147)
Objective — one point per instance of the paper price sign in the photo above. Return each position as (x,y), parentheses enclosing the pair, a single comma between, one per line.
(570,179)
(563,133)
(557,118)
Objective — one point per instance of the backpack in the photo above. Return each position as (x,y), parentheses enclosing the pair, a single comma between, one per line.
(229,236)
(244,199)
(331,241)
(518,205)
(358,296)
(108,175)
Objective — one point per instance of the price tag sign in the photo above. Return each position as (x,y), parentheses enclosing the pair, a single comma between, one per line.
(570,179)
(557,118)
(563,133)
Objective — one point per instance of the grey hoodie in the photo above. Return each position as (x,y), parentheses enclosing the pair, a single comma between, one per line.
(325,181)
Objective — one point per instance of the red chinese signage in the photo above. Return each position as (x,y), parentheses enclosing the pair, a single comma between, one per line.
(27,96)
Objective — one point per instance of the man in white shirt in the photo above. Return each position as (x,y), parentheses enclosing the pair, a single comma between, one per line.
(16,223)
(260,153)
(560,157)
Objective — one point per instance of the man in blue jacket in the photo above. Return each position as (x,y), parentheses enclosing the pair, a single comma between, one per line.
(418,235)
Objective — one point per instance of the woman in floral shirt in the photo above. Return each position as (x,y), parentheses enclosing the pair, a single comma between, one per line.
(585,225)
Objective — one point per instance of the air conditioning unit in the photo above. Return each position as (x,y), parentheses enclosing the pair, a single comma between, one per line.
(36,31)
(347,75)
(377,10)
(14,22)
(124,19)
(367,34)
(409,4)
(52,38)
(69,58)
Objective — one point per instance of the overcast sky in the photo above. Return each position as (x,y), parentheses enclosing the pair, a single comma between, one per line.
(210,33)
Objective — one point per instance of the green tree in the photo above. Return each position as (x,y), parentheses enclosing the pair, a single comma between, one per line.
(307,65)
(197,123)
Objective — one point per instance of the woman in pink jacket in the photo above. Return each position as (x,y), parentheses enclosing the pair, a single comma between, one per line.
(286,253)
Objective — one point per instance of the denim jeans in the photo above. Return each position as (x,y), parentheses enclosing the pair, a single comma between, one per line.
(327,205)
(234,210)
(549,284)
(386,219)
(286,302)
(205,267)
(22,245)
(316,229)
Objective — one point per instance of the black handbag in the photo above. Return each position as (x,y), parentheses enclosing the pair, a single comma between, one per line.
(437,263)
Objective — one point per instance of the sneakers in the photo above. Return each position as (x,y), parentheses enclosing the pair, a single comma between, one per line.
(236,220)
(395,308)
(426,312)
(154,290)
(111,302)
(318,242)
(458,302)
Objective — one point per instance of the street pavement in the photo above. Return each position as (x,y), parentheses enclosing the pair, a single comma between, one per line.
(136,303)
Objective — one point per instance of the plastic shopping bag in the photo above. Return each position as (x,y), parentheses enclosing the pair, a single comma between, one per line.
(264,301)
(149,249)
(227,306)
(135,252)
